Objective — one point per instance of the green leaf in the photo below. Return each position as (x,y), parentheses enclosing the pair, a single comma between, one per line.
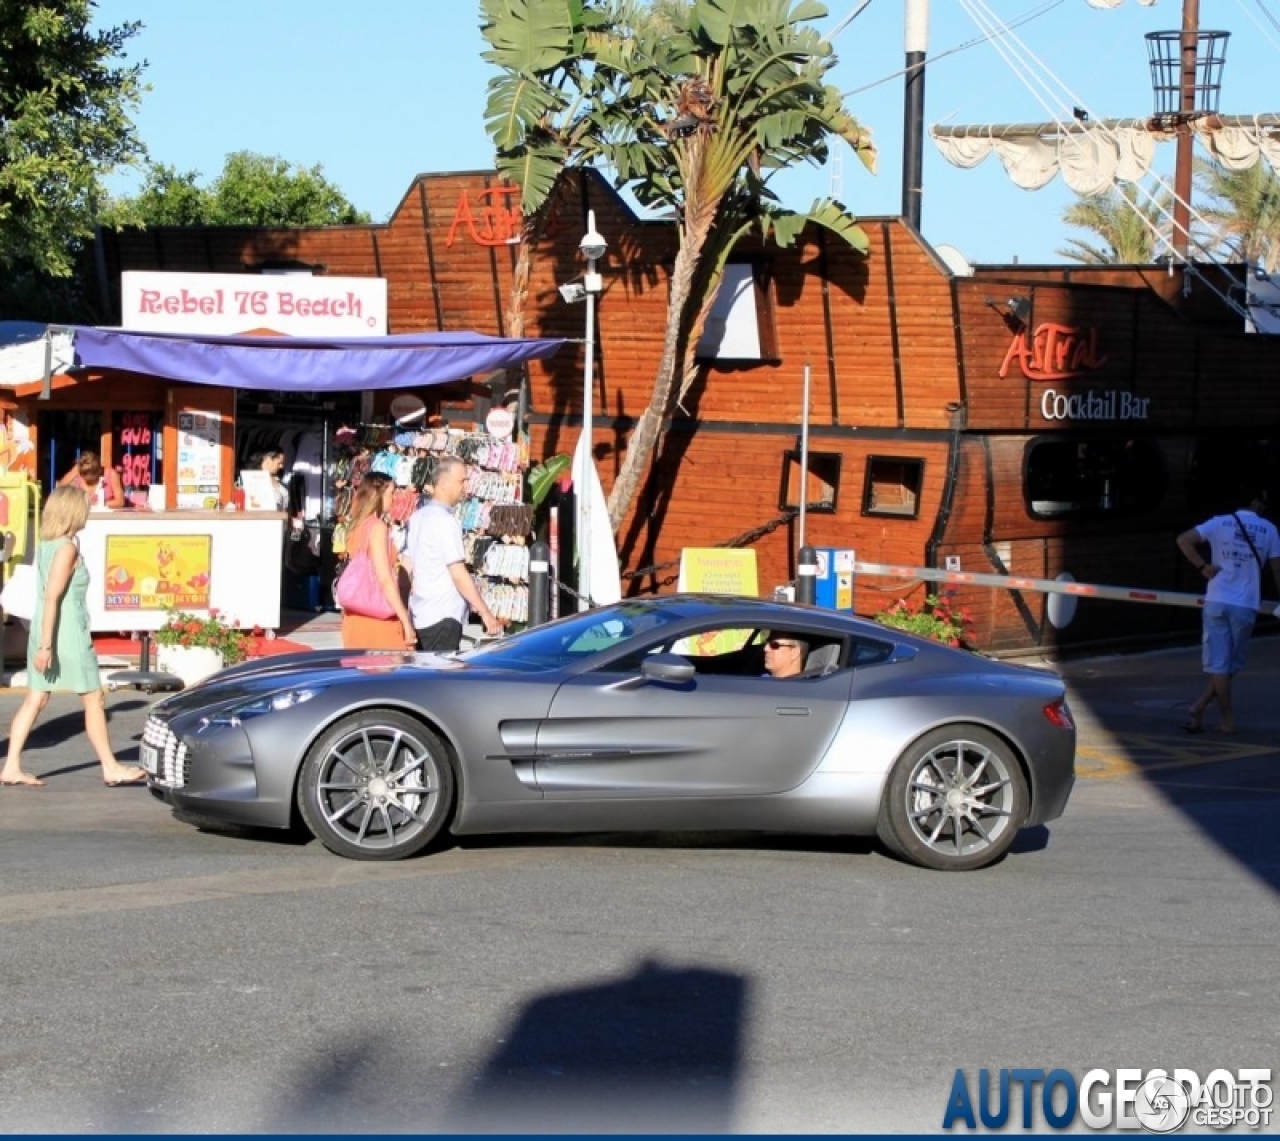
(543,476)
(516,105)
(833,217)
(716,19)
(530,36)
(536,172)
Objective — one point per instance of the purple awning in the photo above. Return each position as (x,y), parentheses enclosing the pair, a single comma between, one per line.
(307,364)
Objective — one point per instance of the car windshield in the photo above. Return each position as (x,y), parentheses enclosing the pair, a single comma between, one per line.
(572,639)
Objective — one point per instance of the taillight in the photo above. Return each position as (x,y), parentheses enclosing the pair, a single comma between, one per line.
(1057,714)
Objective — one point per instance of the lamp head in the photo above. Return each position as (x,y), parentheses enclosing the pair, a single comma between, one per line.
(593,244)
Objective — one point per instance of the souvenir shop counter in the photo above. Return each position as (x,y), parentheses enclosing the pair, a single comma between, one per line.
(142,563)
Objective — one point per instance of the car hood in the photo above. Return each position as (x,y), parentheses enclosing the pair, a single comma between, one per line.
(309,669)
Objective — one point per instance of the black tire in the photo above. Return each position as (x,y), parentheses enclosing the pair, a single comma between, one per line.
(955,800)
(377,785)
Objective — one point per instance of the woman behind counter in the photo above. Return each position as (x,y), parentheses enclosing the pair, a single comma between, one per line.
(367,530)
(60,655)
(102,487)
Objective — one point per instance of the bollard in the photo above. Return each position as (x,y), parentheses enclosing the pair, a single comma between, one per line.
(807,576)
(539,584)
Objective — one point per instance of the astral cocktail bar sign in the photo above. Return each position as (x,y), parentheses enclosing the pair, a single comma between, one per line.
(296,305)
(1053,352)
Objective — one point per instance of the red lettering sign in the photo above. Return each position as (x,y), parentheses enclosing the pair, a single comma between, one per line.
(348,306)
(183,301)
(1054,352)
(133,448)
(495,221)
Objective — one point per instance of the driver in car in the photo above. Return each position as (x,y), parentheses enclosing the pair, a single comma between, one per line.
(784,655)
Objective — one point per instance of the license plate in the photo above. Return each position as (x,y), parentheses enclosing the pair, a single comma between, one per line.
(150,756)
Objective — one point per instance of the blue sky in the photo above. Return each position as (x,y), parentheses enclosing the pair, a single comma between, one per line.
(381,90)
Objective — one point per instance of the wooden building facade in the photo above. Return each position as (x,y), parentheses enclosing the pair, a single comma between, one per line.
(1028,420)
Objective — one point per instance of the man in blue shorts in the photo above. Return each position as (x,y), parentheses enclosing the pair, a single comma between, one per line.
(1239,545)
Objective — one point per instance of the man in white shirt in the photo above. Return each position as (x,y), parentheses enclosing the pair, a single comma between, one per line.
(1239,545)
(442,586)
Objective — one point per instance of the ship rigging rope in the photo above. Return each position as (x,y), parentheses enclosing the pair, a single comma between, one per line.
(1032,70)
(1016,22)
(1266,12)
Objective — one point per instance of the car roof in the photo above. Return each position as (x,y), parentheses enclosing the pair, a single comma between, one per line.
(761,612)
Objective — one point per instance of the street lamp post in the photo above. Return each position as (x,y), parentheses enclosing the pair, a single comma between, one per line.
(593,248)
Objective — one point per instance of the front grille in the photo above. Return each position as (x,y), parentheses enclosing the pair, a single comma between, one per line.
(173,769)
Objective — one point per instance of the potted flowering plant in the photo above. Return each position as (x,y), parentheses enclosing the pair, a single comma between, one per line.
(183,631)
(937,617)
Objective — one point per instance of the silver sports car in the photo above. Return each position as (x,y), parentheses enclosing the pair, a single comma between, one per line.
(650,715)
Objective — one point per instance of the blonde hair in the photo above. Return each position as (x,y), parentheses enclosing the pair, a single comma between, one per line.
(66,511)
(366,500)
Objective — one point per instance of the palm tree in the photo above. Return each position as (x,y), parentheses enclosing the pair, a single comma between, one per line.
(535,112)
(1130,223)
(1244,211)
(692,105)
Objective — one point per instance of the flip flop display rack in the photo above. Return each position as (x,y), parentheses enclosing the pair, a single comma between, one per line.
(497,525)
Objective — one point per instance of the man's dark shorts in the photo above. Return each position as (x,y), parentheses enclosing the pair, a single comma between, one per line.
(444,637)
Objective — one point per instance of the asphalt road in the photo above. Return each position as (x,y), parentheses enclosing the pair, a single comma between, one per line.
(162,979)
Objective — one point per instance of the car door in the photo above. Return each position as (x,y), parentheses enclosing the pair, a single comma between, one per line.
(610,734)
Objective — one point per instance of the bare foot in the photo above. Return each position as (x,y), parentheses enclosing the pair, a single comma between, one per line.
(1228,727)
(21,780)
(125,774)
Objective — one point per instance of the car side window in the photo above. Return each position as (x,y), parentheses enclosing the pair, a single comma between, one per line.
(713,643)
(715,650)
(868,651)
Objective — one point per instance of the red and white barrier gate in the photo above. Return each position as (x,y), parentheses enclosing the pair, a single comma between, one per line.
(1046,585)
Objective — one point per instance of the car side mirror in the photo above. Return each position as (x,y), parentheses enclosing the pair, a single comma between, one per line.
(669,668)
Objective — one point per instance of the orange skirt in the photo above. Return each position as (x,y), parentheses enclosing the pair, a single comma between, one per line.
(361,633)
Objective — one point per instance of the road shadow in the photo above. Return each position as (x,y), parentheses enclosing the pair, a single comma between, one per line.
(1130,709)
(675,841)
(657,1051)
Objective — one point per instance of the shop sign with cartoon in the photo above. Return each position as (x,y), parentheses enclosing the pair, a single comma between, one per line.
(156,572)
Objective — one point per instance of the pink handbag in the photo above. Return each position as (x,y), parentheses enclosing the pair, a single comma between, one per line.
(357,590)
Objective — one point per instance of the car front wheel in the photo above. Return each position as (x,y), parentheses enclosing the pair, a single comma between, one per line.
(376,786)
(955,800)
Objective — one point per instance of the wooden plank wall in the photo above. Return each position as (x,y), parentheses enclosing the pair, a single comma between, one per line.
(901,355)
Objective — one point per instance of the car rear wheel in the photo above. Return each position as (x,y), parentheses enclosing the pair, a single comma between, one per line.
(955,800)
(376,786)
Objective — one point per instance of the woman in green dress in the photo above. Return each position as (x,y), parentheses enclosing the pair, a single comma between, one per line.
(60,655)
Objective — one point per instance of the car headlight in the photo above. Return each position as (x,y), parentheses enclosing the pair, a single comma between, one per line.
(271,703)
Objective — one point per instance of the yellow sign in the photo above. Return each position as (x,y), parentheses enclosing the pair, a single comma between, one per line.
(155,572)
(714,570)
(16,495)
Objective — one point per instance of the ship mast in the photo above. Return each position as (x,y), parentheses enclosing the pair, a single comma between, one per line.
(1186,112)
(1186,71)
(916,41)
